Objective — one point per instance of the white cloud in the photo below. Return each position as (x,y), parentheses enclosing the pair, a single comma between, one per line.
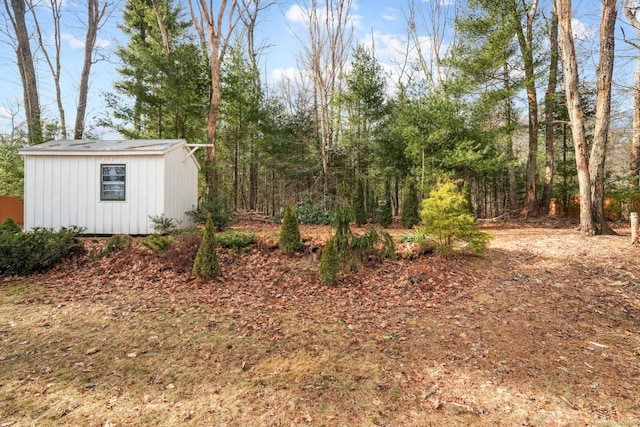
(389,14)
(299,15)
(280,74)
(581,31)
(76,43)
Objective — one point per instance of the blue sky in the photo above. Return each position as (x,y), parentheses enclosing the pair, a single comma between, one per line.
(384,22)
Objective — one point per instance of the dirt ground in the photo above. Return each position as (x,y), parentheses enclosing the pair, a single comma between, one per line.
(541,330)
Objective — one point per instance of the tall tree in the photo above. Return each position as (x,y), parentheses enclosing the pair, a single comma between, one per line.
(96,15)
(549,103)
(632,12)
(523,11)
(163,77)
(598,155)
(16,12)
(576,114)
(207,19)
(324,54)
(364,100)
(54,64)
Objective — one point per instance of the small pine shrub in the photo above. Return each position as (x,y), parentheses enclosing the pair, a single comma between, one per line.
(290,240)
(116,243)
(157,242)
(447,220)
(385,215)
(9,226)
(329,263)
(410,215)
(218,208)
(359,213)
(163,224)
(206,265)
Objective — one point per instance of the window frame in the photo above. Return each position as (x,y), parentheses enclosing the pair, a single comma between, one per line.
(103,182)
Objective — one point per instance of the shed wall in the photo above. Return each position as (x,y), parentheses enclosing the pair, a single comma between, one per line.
(61,191)
(181,186)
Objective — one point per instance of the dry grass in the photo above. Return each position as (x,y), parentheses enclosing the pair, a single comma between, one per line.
(540,338)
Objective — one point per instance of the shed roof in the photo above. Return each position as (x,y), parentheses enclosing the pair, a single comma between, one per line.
(93,147)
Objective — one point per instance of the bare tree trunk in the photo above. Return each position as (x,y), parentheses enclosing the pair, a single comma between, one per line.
(95,14)
(16,13)
(513,183)
(603,115)
(56,6)
(570,68)
(325,55)
(217,47)
(549,101)
(634,162)
(525,40)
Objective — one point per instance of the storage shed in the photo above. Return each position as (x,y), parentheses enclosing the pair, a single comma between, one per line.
(109,187)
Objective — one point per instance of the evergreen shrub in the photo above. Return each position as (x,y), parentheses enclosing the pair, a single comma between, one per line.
(290,240)
(206,265)
(116,243)
(218,208)
(447,221)
(37,250)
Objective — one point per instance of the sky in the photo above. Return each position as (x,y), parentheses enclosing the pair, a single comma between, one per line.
(378,22)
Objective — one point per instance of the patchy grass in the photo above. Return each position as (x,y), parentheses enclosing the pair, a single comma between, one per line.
(537,332)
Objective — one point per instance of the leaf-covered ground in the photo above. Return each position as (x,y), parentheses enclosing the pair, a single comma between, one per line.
(544,329)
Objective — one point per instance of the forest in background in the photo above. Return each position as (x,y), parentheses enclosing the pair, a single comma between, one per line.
(502,100)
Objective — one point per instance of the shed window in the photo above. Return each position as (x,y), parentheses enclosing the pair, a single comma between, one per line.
(112,182)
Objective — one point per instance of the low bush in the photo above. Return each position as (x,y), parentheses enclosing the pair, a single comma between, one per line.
(10,226)
(206,265)
(308,213)
(37,250)
(116,243)
(217,207)
(235,239)
(157,242)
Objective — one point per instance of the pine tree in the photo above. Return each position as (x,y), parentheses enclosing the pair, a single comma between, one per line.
(206,265)
(359,213)
(410,215)
(290,240)
(385,216)
(329,263)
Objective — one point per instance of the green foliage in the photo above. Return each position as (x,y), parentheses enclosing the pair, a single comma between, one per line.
(159,94)
(37,250)
(290,240)
(352,250)
(359,212)
(308,213)
(206,265)
(329,263)
(385,215)
(235,239)
(11,167)
(216,207)
(163,224)
(447,220)
(116,243)
(410,214)
(9,226)
(157,242)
